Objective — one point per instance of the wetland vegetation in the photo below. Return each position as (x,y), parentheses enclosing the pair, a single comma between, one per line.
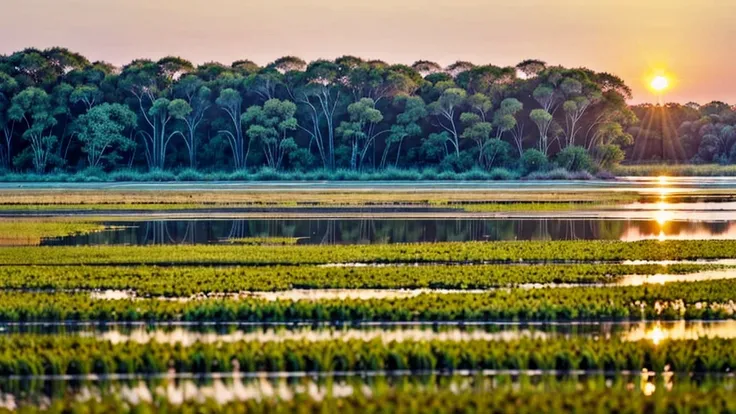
(263,308)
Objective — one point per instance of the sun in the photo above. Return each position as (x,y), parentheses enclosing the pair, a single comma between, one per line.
(660,83)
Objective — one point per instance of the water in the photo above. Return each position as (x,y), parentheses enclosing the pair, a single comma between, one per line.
(381,230)
(642,185)
(189,334)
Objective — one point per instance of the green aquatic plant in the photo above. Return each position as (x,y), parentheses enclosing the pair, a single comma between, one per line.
(446,252)
(672,301)
(29,355)
(182,281)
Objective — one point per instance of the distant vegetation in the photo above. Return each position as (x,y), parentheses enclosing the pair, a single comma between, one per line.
(348,118)
(344,119)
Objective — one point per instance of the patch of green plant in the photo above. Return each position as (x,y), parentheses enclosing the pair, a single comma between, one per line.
(187,281)
(32,355)
(454,252)
(264,241)
(672,301)
(23,232)
(684,170)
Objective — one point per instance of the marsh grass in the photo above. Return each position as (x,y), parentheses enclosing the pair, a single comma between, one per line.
(27,199)
(18,232)
(683,170)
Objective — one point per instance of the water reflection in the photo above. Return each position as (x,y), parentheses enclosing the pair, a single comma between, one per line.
(655,331)
(15,395)
(187,337)
(660,279)
(659,331)
(365,231)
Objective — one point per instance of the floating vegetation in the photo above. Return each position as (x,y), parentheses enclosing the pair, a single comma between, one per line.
(185,281)
(265,241)
(30,233)
(681,300)
(447,252)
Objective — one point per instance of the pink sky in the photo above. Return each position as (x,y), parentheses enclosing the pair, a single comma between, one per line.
(690,40)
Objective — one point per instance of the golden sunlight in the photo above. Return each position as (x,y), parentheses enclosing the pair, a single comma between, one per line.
(659,83)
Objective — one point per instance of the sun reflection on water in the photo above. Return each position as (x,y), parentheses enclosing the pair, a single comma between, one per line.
(682,330)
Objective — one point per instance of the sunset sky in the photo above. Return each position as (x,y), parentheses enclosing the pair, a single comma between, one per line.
(690,41)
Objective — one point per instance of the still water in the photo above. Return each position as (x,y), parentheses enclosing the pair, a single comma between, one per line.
(381,230)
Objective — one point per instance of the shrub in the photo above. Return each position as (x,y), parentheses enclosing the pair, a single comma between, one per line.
(609,156)
(533,160)
(190,174)
(501,174)
(574,158)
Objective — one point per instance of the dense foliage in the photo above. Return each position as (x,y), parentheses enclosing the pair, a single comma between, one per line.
(454,252)
(685,300)
(60,111)
(58,355)
(187,281)
(20,232)
(691,133)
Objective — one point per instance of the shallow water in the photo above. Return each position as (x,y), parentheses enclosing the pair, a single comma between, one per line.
(652,331)
(188,334)
(234,387)
(367,231)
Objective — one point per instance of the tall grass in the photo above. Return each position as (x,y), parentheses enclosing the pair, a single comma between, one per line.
(682,170)
(265,174)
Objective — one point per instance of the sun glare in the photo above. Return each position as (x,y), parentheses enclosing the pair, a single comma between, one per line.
(660,83)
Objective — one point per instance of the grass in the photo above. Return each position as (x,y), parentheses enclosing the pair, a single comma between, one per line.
(166,199)
(682,170)
(19,232)
(187,281)
(672,301)
(445,252)
(43,355)
(265,241)
(264,174)
(549,206)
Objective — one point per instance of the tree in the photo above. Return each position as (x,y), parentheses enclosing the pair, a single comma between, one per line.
(149,82)
(101,131)
(426,67)
(89,95)
(406,125)
(231,102)
(158,116)
(445,109)
(316,89)
(543,120)
(33,107)
(8,86)
(193,91)
(360,131)
(272,125)
(531,67)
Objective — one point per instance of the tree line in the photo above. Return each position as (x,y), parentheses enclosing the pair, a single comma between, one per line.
(693,133)
(59,111)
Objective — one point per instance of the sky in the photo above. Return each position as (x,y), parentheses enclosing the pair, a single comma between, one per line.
(690,41)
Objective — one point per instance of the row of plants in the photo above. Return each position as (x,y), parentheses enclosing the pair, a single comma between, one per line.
(500,251)
(508,397)
(264,241)
(688,300)
(186,281)
(339,196)
(21,232)
(32,355)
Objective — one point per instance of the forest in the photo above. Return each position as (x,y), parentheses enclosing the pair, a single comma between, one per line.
(62,113)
